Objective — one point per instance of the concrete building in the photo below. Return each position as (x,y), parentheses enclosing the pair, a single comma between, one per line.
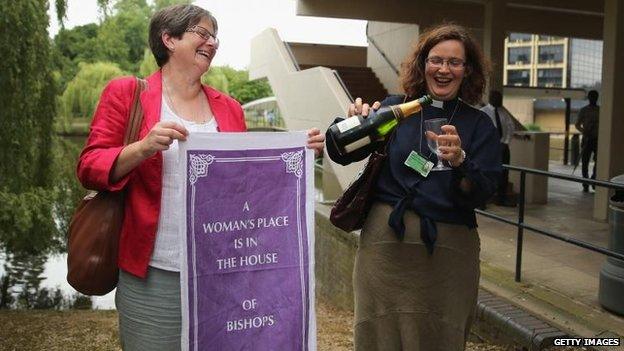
(533,60)
(393,25)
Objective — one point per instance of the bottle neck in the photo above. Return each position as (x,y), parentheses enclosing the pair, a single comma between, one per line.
(409,108)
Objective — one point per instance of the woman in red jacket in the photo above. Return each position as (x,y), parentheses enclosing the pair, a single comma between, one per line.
(175,103)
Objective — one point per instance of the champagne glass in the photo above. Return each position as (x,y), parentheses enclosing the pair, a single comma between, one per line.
(435,126)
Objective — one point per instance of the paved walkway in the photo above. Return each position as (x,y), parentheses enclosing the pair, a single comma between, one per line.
(559,280)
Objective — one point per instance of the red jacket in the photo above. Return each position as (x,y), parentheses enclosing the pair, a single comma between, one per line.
(144,183)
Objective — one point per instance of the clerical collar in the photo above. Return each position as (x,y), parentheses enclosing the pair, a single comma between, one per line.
(444,105)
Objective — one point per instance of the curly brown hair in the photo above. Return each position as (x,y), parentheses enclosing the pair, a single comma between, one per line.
(412,78)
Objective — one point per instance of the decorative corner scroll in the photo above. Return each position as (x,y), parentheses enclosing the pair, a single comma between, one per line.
(199,166)
(294,162)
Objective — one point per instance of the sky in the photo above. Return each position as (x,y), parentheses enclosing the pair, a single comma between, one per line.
(241,20)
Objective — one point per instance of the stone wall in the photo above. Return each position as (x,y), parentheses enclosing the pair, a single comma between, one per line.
(334,254)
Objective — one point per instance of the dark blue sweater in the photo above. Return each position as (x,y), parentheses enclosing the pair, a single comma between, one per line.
(438,197)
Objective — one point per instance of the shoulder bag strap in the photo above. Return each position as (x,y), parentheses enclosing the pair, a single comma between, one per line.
(136,113)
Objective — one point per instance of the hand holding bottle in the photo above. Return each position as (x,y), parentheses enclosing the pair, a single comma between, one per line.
(363,127)
(360,108)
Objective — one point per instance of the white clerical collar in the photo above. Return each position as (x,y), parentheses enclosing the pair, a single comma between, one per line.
(437,103)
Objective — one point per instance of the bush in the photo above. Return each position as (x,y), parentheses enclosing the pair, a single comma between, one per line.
(532,127)
(83,92)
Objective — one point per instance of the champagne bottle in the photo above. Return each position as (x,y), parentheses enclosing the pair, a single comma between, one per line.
(356,132)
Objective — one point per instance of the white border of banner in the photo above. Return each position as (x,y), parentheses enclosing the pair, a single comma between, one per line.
(250,141)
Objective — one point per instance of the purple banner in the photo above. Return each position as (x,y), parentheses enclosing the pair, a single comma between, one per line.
(247,255)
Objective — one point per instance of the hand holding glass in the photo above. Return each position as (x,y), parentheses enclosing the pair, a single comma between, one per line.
(433,128)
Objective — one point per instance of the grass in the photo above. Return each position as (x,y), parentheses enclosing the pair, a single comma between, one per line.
(79,330)
(58,330)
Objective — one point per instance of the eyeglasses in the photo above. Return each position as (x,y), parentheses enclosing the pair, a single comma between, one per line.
(438,62)
(204,34)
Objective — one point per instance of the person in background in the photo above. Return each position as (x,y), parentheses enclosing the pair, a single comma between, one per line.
(416,270)
(503,121)
(183,39)
(587,124)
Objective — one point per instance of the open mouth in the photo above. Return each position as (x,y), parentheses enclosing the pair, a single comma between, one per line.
(442,80)
(207,54)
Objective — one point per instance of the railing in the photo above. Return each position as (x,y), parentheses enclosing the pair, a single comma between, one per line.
(343,85)
(570,150)
(521,225)
(381,52)
(292,56)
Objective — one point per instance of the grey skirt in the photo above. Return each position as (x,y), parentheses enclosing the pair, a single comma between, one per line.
(149,311)
(406,299)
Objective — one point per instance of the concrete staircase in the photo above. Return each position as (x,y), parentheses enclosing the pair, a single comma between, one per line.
(360,82)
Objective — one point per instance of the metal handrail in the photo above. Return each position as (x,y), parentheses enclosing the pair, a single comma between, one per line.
(292,56)
(576,179)
(383,54)
(521,225)
(343,85)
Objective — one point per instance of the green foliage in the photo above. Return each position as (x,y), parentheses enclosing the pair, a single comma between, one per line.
(237,84)
(148,65)
(27,92)
(26,220)
(81,302)
(217,79)
(78,43)
(72,46)
(159,4)
(251,90)
(83,92)
(532,127)
(122,37)
(61,11)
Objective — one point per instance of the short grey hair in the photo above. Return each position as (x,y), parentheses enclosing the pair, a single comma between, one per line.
(174,20)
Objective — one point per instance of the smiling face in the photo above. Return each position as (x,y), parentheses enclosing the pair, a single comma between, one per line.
(193,50)
(443,82)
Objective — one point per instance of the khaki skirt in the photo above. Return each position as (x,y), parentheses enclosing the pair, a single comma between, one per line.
(406,299)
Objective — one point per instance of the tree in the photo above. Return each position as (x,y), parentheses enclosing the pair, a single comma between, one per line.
(122,36)
(159,4)
(148,65)
(251,90)
(217,79)
(72,46)
(237,84)
(83,92)
(27,96)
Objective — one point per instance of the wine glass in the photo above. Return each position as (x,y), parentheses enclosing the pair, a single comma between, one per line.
(435,126)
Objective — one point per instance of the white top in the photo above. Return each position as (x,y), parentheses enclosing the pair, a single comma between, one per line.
(506,121)
(166,253)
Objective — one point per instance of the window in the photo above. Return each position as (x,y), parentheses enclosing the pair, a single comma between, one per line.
(522,37)
(550,53)
(520,55)
(550,77)
(548,38)
(518,77)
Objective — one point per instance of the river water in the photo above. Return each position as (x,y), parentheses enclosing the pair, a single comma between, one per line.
(54,276)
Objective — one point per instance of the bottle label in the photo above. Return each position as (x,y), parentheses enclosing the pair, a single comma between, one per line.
(348,123)
(358,144)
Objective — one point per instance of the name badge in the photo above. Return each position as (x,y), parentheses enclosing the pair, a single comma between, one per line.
(419,164)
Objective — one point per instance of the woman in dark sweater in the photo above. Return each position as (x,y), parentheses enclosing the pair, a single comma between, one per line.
(417,267)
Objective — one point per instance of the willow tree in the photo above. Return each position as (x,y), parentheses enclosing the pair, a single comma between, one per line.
(83,92)
(27,112)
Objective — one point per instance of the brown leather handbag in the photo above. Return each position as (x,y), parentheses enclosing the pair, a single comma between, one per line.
(350,210)
(95,228)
